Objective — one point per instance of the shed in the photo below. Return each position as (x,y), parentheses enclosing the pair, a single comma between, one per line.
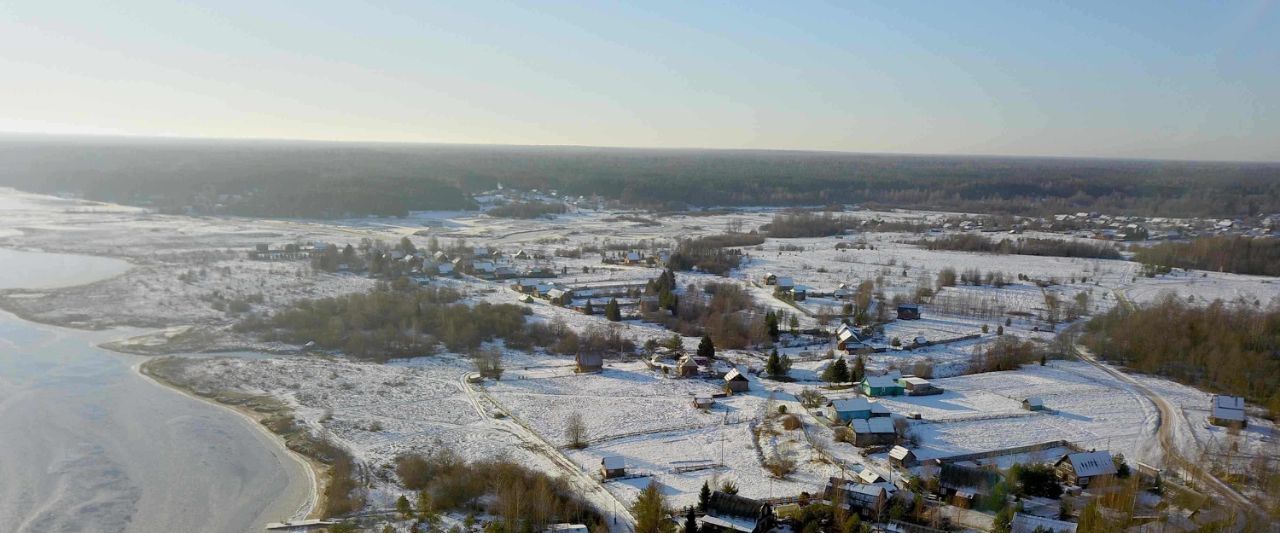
(909,312)
(589,362)
(900,456)
(785,284)
(687,366)
(915,386)
(703,401)
(613,466)
(771,279)
(736,382)
(873,431)
(1033,403)
(847,337)
(1228,411)
(1083,468)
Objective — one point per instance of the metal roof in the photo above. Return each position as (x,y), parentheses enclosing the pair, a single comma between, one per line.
(613,462)
(1089,464)
(1228,408)
(851,404)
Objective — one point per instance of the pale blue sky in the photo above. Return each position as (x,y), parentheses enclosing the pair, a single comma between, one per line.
(1185,80)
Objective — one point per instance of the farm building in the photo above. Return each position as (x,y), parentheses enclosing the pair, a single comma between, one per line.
(785,284)
(613,466)
(1033,403)
(1025,523)
(736,382)
(873,431)
(703,401)
(869,476)
(730,512)
(1228,411)
(1083,468)
(909,312)
(914,386)
(687,366)
(881,386)
(590,362)
(902,457)
(800,292)
(848,409)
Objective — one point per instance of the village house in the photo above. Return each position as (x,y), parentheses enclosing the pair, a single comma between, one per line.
(864,499)
(874,431)
(848,409)
(847,338)
(1083,468)
(1228,411)
(730,512)
(736,382)
(1025,523)
(613,466)
(882,386)
(909,312)
(771,279)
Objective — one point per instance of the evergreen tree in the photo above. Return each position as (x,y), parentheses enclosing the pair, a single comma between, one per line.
(706,348)
(1004,520)
(795,325)
(403,507)
(773,367)
(836,372)
(611,310)
(859,369)
(587,310)
(771,324)
(650,511)
(704,497)
(690,522)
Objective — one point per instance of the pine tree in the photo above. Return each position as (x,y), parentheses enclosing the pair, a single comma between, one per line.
(706,348)
(795,325)
(773,367)
(859,369)
(771,323)
(650,511)
(704,497)
(690,522)
(837,372)
(403,507)
(587,310)
(611,310)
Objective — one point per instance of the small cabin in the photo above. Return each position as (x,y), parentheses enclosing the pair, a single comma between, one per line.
(687,366)
(770,279)
(589,362)
(1033,403)
(873,432)
(736,382)
(703,401)
(613,466)
(1228,411)
(900,456)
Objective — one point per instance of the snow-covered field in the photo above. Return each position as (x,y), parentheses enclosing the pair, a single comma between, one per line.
(182,265)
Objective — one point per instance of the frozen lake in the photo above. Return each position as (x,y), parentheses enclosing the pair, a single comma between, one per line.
(86,444)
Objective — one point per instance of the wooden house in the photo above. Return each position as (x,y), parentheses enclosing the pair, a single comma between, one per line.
(687,366)
(736,382)
(900,456)
(1083,468)
(875,431)
(882,386)
(848,409)
(865,499)
(730,512)
(1033,403)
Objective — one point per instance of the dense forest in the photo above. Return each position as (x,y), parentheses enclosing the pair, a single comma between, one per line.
(1028,246)
(1239,255)
(320,179)
(1224,348)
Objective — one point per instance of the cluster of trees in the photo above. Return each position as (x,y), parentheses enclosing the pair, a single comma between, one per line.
(386,323)
(808,224)
(1237,254)
(526,210)
(777,367)
(1008,352)
(839,371)
(519,498)
(713,254)
(725,312)
(1224,348)
(970,242)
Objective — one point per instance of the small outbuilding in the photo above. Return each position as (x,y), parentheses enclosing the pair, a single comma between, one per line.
(847,338)
(914,386)
(1228,411)
(736,382)
(909,312)
(590,362)
(703,401)
(900,456)
(687,366)
(1033,403)
(613,466)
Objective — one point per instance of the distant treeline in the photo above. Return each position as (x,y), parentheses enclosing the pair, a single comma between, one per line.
(1029,246)
(1224,348)
(1239,255)
(526,210)
(332,179)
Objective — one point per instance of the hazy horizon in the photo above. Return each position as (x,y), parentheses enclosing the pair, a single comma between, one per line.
(1080,80)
